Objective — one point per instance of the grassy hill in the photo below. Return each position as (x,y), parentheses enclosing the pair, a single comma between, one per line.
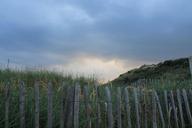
(170,69)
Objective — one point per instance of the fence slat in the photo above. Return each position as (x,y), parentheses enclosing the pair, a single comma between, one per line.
(69,108)
(50,106)
(76,106)
(98,114)
(22,105)
(160,110)
(119,122)
(180,108)
(174,109)
(7,100)
(87,107)
(154,110)
(145,109)
(127,106)
(62,114)
(136,107)
(36,104)
(184,93)
(109,108)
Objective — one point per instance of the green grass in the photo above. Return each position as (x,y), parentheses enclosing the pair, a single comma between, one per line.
(57,79)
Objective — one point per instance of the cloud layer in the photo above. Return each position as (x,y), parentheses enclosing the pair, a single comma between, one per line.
(54,31)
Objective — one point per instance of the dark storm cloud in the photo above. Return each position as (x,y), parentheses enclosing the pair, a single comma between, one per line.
(39,31)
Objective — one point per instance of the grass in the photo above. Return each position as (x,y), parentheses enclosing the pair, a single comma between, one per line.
(57,79)
(29,77)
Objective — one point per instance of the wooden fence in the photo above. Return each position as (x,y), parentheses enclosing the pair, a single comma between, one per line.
(100,107)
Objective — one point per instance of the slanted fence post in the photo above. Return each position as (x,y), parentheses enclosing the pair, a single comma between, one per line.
(36,104)
(50,106)
(174,109)
(22,104)
(160,110)
(7,99)
(180,108)
(109,108)
(184,93)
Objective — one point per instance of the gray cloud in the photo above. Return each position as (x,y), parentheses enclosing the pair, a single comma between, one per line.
(39,31)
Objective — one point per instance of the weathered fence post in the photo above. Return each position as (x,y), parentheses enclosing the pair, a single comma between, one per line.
(160,110)
(87,107)
(22,104)
(7,99)
(184,93)
(180,108)
(119,122)
(145,109)
(127,106)
(50,106)
(62,102)
(36,104)
(154,110)
(98,119)
(76,106)
(174,109)
(109,108)
(68,110)
(136,107)
(190,64)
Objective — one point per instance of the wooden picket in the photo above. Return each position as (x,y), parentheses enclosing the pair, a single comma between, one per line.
(7,100)
(50,106)
(22,104)
(109,108)
(37,104)
(150,108)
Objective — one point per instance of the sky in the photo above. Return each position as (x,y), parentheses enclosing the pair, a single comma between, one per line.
(105,38)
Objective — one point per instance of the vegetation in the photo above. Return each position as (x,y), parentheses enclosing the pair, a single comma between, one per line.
(172,70)
(170,75)
(29,78)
